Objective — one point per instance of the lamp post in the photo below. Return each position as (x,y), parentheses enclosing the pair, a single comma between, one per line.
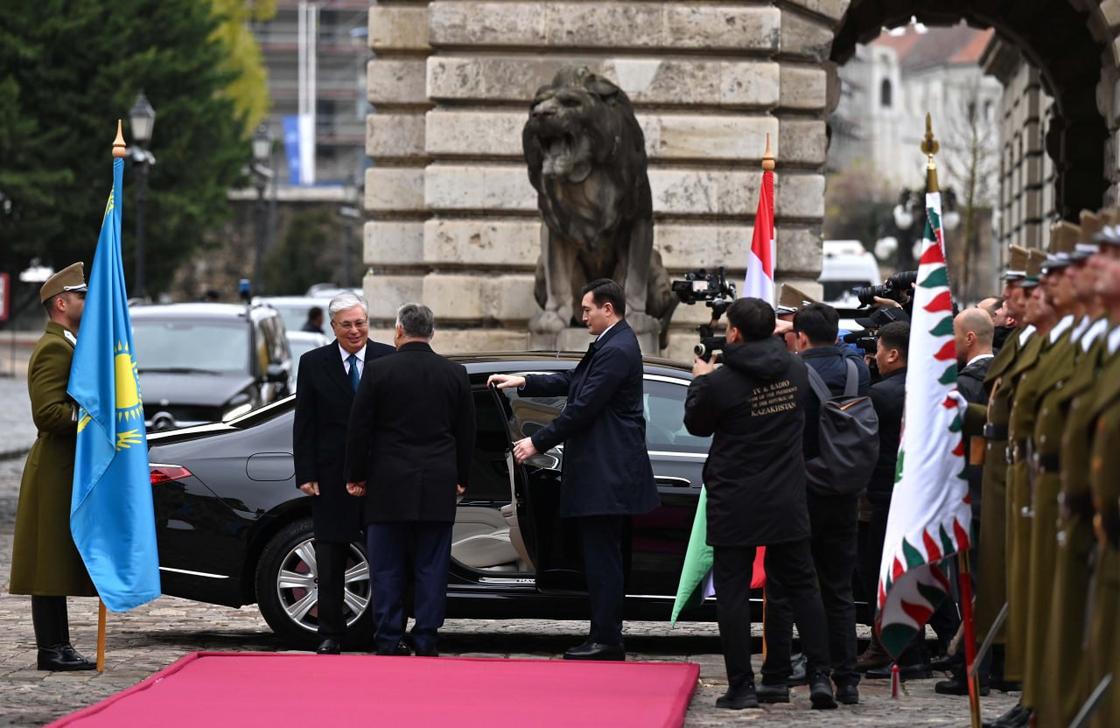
(262,174)
(909,217)
(142,120)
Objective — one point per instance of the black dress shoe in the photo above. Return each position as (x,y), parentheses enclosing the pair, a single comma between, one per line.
(772,693)
(63,658)
(596,651)
(957,685)
(947,663)
(1006,686)
(847,693)
(426,652)
(920,671)
(329,646)
(738,698)
(798,670)
(820,692)
(398,650)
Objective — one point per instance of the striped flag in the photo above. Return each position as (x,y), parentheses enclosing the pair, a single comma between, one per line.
(929,516)
(760,259)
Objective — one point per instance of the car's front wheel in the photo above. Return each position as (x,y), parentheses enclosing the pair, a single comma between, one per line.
(287,583)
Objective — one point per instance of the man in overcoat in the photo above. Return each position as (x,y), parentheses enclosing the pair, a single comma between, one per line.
(607,476)
(328,379)
(409,451)
(754,405)
(45,562)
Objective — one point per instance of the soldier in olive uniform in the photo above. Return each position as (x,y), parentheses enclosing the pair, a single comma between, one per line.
(1102,636)
(45,563)
(1063,415)
(1020,279)
(1040,315)
(1054,369)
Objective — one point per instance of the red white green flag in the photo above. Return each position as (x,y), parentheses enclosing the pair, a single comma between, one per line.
(930,517)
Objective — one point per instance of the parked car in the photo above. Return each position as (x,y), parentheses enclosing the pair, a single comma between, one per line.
(293,309)
(845,266)
(299,343)
(207,362)
(234,530)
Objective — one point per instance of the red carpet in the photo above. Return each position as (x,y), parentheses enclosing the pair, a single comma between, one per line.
(211,689)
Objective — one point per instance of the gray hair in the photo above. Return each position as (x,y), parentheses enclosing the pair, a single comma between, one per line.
(416,320)
(345,301)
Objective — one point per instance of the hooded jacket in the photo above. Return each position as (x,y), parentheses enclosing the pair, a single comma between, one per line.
(754,405)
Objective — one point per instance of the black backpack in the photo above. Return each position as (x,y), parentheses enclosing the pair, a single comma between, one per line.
(849,438)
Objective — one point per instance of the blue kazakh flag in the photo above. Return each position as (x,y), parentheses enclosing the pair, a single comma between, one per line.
(112,518)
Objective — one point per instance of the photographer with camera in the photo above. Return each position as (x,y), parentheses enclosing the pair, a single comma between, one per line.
(755,480)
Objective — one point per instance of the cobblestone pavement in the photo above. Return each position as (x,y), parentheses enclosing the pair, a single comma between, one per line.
(152,637)
(17,431)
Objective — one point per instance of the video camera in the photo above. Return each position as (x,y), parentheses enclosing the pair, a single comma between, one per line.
(896,288)
(717,294)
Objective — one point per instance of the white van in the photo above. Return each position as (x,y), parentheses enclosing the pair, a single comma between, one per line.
(845,266)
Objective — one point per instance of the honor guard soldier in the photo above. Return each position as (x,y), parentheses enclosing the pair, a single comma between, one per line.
(1049,379)
(45,562)
(1102,637)
(991,423)
(1058,697)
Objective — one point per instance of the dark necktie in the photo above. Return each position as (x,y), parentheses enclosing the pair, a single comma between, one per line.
(355,377)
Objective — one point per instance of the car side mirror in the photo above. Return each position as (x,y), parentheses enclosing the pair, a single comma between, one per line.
(276,374)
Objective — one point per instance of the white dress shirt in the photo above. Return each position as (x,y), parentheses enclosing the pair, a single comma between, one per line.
(606,330)
(361,354)
(978,357)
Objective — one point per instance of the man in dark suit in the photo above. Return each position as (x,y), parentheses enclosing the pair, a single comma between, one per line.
(409,453)
(328,379)
(607,474)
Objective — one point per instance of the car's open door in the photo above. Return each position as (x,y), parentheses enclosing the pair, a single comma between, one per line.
(549,540)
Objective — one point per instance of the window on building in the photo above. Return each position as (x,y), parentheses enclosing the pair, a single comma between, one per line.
(885,93)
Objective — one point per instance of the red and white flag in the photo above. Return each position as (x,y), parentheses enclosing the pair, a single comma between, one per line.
(760,259)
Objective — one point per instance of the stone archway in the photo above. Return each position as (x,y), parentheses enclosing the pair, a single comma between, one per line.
(1056,38)
(451,217)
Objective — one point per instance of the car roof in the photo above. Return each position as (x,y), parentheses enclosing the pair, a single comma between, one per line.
(199,310)
(477,362)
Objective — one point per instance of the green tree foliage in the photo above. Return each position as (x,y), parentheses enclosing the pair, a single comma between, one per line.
(71,69)
(248,87)
(318,247)
(856,204)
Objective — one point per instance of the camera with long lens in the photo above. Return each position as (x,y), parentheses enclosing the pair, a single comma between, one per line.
(895,288)
(717,294)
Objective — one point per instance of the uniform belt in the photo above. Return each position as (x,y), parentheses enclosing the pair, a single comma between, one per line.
(992,431)
(1076,504)
(1048,462)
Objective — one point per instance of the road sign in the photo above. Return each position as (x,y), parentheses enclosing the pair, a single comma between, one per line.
(5,297)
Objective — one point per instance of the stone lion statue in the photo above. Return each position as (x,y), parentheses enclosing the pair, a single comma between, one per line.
(587,160)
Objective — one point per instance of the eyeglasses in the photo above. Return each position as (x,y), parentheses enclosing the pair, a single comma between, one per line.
(351,325)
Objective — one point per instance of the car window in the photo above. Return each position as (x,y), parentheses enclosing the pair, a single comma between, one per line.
(175,344)
(489,470)
(663,403)
(274,336)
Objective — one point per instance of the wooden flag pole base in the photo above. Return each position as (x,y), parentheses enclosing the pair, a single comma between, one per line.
(101,616)
(969,638)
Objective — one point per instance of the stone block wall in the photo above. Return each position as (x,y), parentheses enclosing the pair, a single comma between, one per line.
(452,218)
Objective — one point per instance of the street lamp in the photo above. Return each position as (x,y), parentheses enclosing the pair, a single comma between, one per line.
(142,121)
(909,216)
(262,174)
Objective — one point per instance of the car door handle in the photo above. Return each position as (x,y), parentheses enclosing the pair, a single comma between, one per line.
(673,482)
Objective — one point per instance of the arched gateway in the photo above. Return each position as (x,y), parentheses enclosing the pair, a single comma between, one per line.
(452,218)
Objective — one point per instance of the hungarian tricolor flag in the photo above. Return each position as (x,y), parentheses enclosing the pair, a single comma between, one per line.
(929,516)
(760,260)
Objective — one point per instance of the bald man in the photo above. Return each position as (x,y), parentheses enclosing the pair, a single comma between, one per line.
(973,329)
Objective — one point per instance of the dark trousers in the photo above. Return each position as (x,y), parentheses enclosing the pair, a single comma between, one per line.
(330,559)
(792,582)
(601,541)
(388,546)
(835,544)
(52,624)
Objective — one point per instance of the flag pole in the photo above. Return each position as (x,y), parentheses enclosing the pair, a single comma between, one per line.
(768,164)
(119,150)
(930,147)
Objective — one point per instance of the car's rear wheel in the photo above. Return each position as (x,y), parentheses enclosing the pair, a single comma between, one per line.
(287,583)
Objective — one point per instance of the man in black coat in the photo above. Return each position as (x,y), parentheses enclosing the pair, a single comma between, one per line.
(607,476)
(754,404)
(833,517)
(328,379)
(409,451)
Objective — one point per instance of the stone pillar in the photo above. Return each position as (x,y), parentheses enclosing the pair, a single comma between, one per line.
(453,219)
